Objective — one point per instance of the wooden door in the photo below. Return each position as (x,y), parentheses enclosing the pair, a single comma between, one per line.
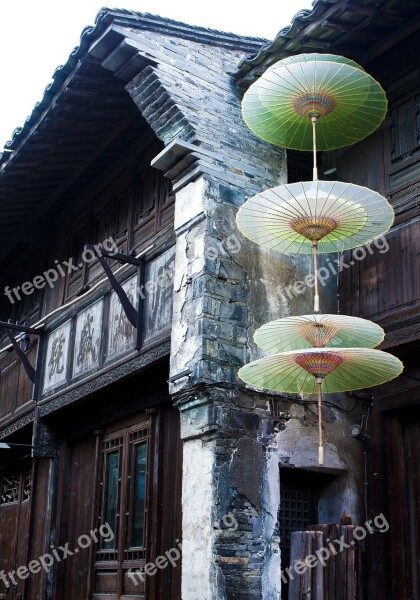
(403,436)
(125,500)
(15,488)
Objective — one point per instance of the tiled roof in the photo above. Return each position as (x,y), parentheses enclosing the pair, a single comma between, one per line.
(134,20)
(354,28)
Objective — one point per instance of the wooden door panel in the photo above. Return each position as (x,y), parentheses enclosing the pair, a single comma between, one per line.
(125,494)
(15,487)
(403,441)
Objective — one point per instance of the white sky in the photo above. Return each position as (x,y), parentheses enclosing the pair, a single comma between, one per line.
(38,35)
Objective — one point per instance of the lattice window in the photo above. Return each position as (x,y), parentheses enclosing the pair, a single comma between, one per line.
(296,513)
(9,489)
(298,509)
(124,494)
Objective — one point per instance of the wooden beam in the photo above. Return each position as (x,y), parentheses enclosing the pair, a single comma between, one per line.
(81,168)
(393,40)
(43,115)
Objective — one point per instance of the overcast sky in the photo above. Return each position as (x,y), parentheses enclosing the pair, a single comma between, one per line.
(38,35)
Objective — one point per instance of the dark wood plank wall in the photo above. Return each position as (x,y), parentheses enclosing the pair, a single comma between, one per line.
(15,386)
(39,528)
(385,285)
(75,504)
(168,581)
(133,207)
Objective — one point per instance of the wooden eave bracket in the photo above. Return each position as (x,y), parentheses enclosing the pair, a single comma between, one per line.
(9,328)
(134,315)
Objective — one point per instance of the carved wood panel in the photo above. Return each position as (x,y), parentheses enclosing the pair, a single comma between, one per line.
(158,294)
(120,330)
(88,337)
(56,357)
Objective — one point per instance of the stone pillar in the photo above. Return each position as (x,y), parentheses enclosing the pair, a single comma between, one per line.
(230,480)
(230,496)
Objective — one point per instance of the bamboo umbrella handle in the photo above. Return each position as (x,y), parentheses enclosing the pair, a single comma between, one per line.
(321,440)
(315,169)
(316,296)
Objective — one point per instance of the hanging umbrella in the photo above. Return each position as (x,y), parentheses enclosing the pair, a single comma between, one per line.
(337,215)
(347,102)
(317,370)
(307,331)
(312,216)
(316,56)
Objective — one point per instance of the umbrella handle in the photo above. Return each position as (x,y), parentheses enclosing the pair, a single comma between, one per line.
(315,169)
(316,296)
(321,440)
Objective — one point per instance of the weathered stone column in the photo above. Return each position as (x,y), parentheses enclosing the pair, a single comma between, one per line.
(230,496)
(235,439)
(230,479)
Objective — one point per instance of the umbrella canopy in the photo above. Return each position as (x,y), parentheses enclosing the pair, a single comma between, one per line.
(316,56)
(347,102)
(336,215)
(340,369)
(307,331)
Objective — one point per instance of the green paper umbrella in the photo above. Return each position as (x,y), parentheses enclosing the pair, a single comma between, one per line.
(321,331)
(284,104)
(312,216)
(313,370)
(342,369)
(336,215)
(316,56)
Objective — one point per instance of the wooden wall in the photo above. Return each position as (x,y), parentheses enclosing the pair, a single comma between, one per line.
(15,386)
(384,286)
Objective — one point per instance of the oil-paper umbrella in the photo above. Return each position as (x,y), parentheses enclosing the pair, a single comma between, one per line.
(318,331)
(317,370)
(284,105)
(304,217)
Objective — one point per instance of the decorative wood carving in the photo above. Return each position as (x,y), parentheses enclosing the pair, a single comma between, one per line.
(56,359)
(9,489)
(87,344)
(105,378)
(18,424)
(121,332)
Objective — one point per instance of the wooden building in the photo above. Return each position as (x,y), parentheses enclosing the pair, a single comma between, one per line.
(130,434)
(384,287)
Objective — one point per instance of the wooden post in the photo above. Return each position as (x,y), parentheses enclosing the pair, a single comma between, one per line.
(338,578)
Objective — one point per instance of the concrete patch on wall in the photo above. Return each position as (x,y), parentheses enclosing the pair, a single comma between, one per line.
(298,446)
(198,568)
(189,203)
